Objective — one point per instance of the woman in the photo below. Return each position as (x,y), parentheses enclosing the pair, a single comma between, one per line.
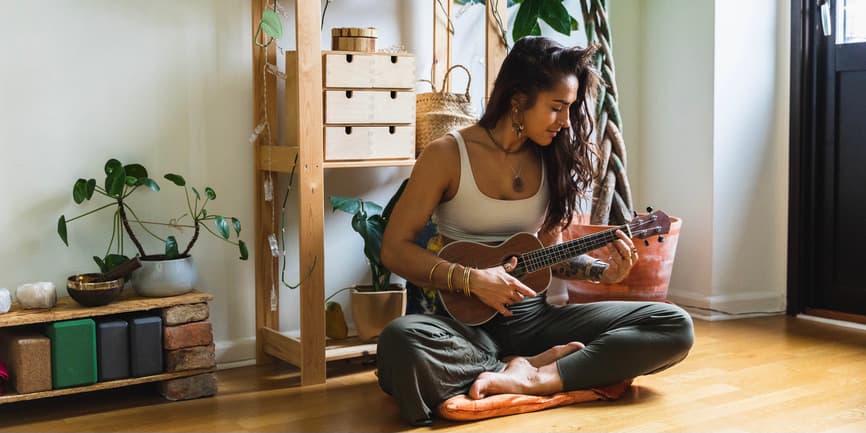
(521,168)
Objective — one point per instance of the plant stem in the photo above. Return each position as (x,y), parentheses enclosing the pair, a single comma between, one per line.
(129,232)
(142,225)
(88,213)
(114,225)
(335,293)
(194,237)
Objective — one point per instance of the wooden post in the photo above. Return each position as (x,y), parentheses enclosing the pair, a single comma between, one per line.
(266,264)
(495,46)
(310,140)
(441,42)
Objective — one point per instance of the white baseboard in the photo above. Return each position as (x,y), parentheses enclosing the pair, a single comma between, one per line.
(729,306)
(236,353)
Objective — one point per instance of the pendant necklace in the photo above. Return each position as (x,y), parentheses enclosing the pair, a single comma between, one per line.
(516,181)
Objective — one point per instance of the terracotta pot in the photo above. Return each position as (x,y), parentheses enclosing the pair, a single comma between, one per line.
(649,278)
(372,311)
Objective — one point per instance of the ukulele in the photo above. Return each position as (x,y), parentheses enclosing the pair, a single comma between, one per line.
(533,260)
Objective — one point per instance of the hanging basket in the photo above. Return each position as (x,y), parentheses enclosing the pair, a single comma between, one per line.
(439,112)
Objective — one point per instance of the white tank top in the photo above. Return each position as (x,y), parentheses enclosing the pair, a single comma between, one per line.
(473,216)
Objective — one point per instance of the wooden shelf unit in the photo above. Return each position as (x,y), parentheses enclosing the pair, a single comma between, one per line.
(305,126)
(68,309)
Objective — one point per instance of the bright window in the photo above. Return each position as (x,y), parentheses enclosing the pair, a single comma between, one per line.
(850,21)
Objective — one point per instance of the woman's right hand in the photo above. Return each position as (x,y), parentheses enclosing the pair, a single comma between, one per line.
(497,288)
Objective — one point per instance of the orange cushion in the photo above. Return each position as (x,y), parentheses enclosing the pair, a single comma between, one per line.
(463,408)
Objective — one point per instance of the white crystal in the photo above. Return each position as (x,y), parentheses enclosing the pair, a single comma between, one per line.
(5,300)
(37,295)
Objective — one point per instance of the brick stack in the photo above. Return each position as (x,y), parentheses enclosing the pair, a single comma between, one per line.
(188,344)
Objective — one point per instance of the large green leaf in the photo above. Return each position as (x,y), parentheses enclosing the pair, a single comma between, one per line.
(148,182)
(555,14)
(61,229)
(210,193)
(176,179)
(271,24)
(91,187)
(101,264)
(135,170)
(171,248)
(526,19)
(345,204)
(222,226)
(236,223)
(111,165)
(115,181)
(575,26)
(114,260)
(79,191)
(245,254)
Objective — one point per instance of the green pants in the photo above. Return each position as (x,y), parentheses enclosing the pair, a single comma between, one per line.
(426,359)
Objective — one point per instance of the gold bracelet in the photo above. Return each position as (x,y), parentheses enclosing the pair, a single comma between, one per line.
(430,275)
(467,273)
(451,272)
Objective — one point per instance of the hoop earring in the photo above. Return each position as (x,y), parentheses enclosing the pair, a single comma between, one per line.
(516,125)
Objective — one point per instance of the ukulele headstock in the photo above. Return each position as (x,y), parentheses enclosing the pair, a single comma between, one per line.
(650,224)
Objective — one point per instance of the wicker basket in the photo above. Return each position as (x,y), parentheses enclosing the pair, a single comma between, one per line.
(439,112)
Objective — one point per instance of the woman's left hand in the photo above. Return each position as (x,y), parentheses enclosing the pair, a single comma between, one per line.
(623,255)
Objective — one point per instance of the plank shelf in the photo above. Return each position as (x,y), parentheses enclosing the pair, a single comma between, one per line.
(13,397)
(67,308)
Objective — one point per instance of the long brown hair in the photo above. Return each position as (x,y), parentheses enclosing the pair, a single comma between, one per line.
(537,64)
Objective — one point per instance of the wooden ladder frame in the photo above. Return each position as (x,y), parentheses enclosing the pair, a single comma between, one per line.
(304,77)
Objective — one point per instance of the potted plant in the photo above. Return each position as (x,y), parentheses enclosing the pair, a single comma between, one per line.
(374,305)
(173,271)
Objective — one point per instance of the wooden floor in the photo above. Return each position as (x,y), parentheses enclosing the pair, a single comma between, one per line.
(771,374)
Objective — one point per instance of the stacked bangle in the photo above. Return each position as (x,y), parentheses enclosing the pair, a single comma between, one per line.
(430,275)
(467,273)
(450,273)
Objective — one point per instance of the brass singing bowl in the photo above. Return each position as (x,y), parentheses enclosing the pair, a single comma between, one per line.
(91,291)
(92,282)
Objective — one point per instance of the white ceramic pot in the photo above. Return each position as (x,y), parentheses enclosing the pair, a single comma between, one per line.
(161,278)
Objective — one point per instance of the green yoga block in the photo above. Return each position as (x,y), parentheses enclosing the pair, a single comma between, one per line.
(73,352)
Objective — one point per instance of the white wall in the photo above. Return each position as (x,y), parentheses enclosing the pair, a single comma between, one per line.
(676,168)
(163,83)
(712,140)
(750,156)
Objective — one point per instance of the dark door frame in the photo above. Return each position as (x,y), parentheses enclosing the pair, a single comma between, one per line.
(801,178)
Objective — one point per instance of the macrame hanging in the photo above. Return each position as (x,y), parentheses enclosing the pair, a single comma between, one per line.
(611,195)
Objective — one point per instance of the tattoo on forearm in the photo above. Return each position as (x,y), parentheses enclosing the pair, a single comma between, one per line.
(574,269)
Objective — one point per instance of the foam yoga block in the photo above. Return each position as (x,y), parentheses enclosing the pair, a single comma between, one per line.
(145,341)
(73,352)
(27,354)
(112,349)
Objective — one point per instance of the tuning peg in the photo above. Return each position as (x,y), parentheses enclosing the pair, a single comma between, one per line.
(649,209)
(661,238)
(646,242)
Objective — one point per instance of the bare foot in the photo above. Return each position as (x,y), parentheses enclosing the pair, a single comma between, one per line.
(554,353)
(536,375)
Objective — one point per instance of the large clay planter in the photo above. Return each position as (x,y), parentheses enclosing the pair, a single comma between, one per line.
(372,311)
(649,278)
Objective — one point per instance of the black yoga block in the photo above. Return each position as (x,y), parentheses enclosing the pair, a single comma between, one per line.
(145,343)
(112,349)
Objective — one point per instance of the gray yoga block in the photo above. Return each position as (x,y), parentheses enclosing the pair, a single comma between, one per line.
(112,349)
(145,344)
